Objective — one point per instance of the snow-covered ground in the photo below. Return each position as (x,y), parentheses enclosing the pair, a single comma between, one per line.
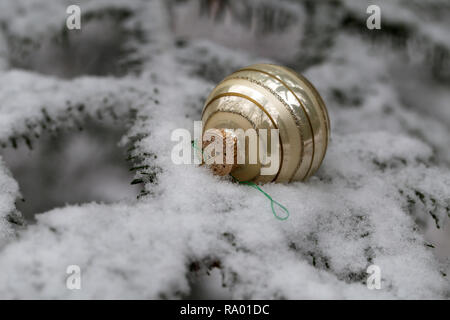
(382,195)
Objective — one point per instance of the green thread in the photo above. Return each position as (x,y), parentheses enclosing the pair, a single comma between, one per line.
(254,185)
(194,145)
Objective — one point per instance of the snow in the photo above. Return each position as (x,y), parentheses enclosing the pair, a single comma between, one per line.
(387,167)
(9,191)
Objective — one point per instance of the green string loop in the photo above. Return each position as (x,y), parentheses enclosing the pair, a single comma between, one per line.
(254,185)
(272,202)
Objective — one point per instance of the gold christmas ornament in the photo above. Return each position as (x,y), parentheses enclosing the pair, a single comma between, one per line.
(266,96)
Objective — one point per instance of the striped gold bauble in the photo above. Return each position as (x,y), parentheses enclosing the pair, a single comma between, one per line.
(271,96)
